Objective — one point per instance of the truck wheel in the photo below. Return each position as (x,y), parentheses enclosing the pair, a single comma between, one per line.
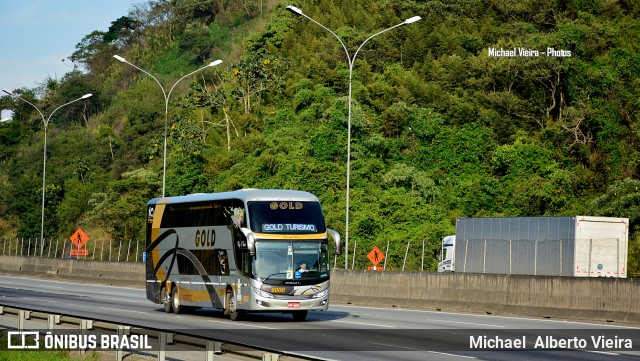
(231,309)
(299,315)
(166,300)
(175,301)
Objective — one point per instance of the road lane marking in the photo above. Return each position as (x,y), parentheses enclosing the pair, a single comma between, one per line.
(240,324)
(120,299)
(366,324)
(452,354)
(395,346)
(596,351)
(119,310)
(38,299)
(468,323)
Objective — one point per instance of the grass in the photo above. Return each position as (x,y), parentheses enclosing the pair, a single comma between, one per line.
(33,355)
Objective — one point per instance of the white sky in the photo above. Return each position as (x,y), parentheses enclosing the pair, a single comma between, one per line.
(36,35)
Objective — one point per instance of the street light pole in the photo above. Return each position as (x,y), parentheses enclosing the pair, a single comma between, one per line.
(45,122)
(350,61)
(166,107)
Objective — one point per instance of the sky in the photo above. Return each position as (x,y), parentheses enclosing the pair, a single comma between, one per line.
(36,35)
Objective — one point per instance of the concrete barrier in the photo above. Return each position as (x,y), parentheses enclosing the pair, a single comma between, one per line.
(115,273)
(603,299)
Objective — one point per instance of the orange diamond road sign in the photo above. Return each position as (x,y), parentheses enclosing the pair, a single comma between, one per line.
(79,238)
(375,256)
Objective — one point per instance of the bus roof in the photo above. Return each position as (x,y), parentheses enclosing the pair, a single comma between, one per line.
(245,195)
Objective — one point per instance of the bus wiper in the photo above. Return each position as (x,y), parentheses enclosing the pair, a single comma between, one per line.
(273,274)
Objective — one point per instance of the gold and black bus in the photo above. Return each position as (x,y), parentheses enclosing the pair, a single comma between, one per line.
(241,251)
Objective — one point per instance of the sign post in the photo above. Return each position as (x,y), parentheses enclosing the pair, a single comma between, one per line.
(79,238)
(375,256)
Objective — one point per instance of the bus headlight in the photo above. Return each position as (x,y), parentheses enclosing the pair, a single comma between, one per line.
(262,293)
(321,294)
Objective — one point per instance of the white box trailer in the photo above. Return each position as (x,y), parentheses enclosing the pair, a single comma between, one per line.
(580,246)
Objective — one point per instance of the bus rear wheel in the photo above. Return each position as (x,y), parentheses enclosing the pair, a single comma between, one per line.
(299,315)
(166,300)
(175,301)
(231,307)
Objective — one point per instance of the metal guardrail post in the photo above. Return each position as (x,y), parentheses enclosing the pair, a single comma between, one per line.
(122,331)
(164,338)
(53,320)
(84,326)
(22,316)
(213,348)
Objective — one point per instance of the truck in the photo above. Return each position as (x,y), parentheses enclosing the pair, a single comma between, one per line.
(573,246)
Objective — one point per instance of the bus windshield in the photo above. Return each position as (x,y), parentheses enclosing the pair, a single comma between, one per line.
(286,217)
(291,260)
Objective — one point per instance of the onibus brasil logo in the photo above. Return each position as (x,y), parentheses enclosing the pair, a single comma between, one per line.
(21,340)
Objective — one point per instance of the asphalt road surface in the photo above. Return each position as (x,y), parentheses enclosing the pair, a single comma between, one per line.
(343,332)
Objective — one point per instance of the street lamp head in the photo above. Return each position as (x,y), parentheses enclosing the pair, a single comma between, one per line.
(119,58)
(412,20)
(6,91)
(216,62)
(294,10)
(86,96)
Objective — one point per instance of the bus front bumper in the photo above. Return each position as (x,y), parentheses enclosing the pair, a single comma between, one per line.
(291,305)
(284,304)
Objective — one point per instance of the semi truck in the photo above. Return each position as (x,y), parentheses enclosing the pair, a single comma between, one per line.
(574,246)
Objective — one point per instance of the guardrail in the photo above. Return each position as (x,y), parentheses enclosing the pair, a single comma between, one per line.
(166,342)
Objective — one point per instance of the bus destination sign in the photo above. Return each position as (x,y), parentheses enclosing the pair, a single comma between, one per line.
(288,227)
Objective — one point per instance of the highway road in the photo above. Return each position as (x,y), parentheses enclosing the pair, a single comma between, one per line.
(342,333)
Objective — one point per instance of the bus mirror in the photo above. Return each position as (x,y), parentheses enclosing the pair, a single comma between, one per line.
(336,238)
(251,240)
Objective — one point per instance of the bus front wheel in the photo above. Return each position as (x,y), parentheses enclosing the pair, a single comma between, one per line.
(299,315)
(166,300)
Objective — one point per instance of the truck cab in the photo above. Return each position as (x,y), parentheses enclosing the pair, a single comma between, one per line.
(447,254)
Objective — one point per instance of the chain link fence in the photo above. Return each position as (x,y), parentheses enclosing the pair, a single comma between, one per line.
(565,257)
(606,257)
(99,250)
(408,255)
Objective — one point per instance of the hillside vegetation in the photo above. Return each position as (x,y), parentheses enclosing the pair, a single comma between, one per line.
(440,129)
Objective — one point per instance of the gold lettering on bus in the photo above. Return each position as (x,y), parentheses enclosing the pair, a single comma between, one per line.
(205,237)
(286,205)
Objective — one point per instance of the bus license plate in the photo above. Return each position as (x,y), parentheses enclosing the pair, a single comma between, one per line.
(294,305)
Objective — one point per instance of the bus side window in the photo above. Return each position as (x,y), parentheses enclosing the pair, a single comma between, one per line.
(185,267)
(223,262)
(242,257)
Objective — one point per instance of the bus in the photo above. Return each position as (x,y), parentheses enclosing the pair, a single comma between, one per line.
(239,251)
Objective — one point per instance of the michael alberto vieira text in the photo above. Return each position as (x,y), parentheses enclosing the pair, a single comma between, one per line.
(550,342)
